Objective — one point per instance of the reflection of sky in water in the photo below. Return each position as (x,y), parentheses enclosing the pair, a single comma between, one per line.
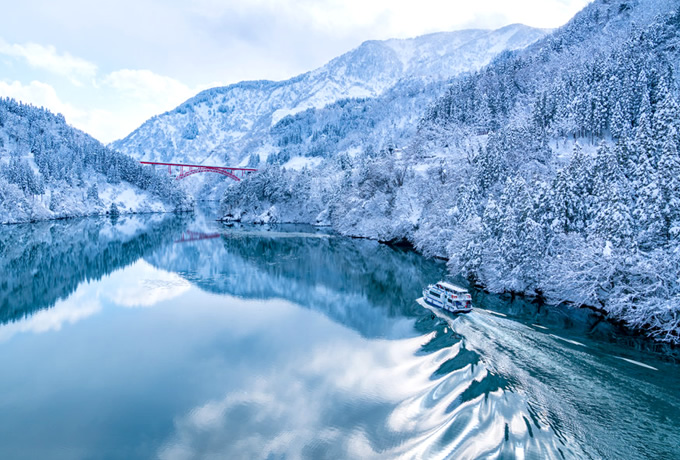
(124,371)
(138,285)
(250,346)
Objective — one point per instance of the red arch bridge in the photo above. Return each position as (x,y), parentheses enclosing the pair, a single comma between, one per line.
(187,170)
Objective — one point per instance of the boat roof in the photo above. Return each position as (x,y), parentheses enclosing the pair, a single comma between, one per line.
(451,287)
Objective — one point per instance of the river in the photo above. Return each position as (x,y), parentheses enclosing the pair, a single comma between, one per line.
(178,337)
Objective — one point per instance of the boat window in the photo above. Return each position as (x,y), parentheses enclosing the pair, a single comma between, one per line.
(434,294)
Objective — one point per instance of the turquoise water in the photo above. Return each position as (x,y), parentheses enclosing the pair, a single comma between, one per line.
(178,337)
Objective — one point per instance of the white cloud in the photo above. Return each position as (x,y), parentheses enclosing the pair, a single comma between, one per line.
(42,95)
(99,123)
(385,18)
(148,287)
(141,94)
(120,100)
(139,285)
(262,418)
(47,58)
(401,18)
(76,309)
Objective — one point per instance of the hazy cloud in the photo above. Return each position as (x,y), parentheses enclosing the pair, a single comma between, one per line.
(52,319)
(141,285)
(144,84)
(127,98)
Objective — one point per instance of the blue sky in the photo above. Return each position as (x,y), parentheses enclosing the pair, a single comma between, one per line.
(109,66)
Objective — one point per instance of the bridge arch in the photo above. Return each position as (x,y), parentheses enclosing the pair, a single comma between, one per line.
(224,172)
(186,170)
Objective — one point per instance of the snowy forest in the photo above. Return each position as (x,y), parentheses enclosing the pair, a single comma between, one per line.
(552,172)
(50,170)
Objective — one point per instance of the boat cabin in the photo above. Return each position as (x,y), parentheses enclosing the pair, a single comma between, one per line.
(448,297)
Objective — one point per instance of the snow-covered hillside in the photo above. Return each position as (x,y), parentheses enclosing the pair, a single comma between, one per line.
(553,171)
(226,125)
(49,170)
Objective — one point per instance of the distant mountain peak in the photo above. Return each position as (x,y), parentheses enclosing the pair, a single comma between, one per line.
(230,120)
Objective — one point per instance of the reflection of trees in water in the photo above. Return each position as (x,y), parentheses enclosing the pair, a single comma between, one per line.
(358,283)
(390,278)
(44,262)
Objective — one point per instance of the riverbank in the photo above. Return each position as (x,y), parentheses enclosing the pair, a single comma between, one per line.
(129,201)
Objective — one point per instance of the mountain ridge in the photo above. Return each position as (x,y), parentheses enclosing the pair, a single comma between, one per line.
(218,124)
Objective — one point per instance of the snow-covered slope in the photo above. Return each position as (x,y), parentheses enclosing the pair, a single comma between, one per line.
(49,170)
(224,125)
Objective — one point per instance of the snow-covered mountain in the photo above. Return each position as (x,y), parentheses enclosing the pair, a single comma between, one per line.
(226,125)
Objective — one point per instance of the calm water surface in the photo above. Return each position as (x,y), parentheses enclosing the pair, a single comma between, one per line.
(179,337)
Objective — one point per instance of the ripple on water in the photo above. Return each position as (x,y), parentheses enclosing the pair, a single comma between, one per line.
(463,409)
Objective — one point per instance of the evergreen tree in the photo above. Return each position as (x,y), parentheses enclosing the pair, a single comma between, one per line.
(600,117)
(619,124)
(612,220)
(648,204)
(640,102)
(93,193)
(624,153)
(611,215)
(667,114)
(113,210)
(516,212)
(571,190)
(563,203)
(645,144)
(669,182)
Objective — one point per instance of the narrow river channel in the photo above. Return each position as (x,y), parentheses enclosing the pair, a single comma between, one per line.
(178,337)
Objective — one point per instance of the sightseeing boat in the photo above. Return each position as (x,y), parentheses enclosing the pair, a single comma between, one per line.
(448,297)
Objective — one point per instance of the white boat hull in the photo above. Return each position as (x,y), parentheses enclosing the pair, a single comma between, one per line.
(426,303)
